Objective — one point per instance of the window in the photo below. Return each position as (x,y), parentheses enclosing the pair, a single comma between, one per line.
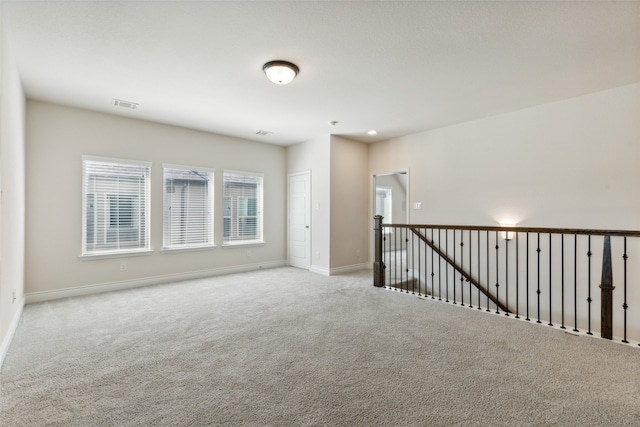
(115,202)
(242,210)
(188,207)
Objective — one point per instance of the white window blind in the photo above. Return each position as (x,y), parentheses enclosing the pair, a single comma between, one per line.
(188,207)
(115,203)
(242,210)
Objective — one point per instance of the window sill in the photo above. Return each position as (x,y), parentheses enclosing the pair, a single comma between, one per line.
(186,249)
(243,243)
(107,255)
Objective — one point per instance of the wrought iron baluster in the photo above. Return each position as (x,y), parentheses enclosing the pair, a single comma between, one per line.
(538,291)
(589,300)
(506,272)
(383,256)
(433,269)
(624,305)
(454,270)
(479,259)
(527,318)
(399,257)
(403,256)
(562,278)
(488,278)
(575,283)
(497,275)
(446,271)
(517,278)
(550,287)
(462,265)
(413,279)
(420,267)
(395,258)
(470,262)
(439,266)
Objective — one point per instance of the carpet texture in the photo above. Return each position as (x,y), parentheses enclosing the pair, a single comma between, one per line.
(285,347)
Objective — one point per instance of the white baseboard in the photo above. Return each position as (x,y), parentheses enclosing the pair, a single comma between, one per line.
(320,270)
(136,283)
(339,270)
(349,268)
(6,342)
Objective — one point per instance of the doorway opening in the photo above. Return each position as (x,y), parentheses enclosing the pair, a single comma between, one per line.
(391,201)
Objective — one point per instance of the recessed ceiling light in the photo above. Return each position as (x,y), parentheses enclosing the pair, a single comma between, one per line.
(333,122)
(372,132)
(264,133)
(124,104)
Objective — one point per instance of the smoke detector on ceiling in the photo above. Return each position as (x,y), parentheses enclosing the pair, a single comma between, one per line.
(124,104)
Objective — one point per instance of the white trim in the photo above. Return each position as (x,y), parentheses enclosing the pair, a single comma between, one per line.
(243,243)
(119,254)
(6,342)
(308,171)
(241,173)
(372,202)
(320,270)
(188,168)
(116,160)
(186,249)
(338,270)
(147,281)
(349,269)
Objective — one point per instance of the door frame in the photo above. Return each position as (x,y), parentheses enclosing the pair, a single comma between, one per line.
(372,204)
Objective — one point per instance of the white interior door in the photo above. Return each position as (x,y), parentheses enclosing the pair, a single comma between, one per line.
(299,220)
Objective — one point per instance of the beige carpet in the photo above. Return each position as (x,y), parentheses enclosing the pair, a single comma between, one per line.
(286,347)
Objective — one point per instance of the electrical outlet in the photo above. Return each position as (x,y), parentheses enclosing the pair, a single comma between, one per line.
(248,254)
(123,266)
(358,253)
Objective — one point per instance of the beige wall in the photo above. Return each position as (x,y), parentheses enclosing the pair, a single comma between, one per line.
(58,136)
(314,156)
(339,201)
(12,205)
(569,164)
(350,197)
(574,163)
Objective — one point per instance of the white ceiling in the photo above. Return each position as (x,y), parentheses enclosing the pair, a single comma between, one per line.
(398,67)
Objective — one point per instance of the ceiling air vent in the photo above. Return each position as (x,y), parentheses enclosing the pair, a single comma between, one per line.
(124,104)
(264,133)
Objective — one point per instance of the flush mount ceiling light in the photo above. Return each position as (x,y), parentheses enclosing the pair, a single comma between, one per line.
(372,132)
(280,72)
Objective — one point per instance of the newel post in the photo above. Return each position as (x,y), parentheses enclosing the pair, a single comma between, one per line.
(606,293)
(378,264)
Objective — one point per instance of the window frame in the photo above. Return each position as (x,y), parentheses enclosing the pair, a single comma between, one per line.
(234,210)
(102,198)
(210,243)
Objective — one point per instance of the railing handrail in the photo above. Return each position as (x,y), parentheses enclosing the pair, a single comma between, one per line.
(469,277)
(544,230)
(606,283)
